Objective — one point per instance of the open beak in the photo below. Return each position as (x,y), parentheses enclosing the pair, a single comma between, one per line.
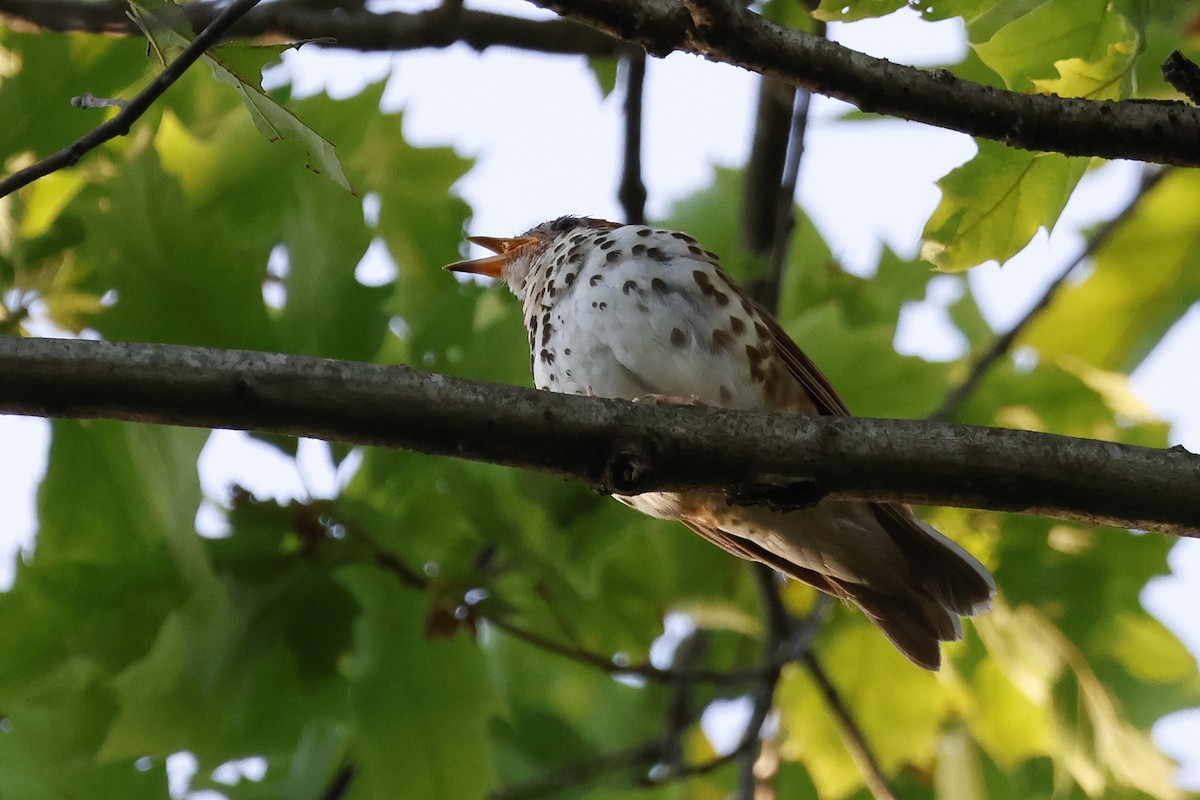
(492,266)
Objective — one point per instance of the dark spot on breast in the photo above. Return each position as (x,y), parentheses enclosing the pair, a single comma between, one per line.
(678,337)
(605,243)
(569,278)
(658,255)
(755,354)
(575,257)
(694,250)
(761,330)
(638,249)
(613,256)
(567,352)
(659,286)
(721,298)
(629,286)
(546,331)
(683,237)
(552,377)
(546,318)
(736,325)
(721,340)
(592,281)
(603,306)
(577,238)
(546,356)
(643,232)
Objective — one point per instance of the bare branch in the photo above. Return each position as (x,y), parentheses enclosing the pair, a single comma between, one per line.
(852,735)
(119,125)
(727,32)
(764,167)
(1002,344)
(632,192)
(614,445)
(287,22)
(643,670)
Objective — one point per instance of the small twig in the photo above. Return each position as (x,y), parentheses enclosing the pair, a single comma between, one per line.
(1182,73)
(340,784)
(764,165)
(643,754)
(1001,345)
(643,670)
(632,192)
(89,100)
(120,124)
(681,709)
(785,217)
(852,735)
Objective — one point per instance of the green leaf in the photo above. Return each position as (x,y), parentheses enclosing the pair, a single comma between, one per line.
(851,10)
(1143,280)
(1025,41)
(328,312)
(993,205)
(272,120)
(604,70)
(36,87)
(418,705)
(898,707)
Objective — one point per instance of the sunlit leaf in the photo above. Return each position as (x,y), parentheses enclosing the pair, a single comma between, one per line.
(993,205)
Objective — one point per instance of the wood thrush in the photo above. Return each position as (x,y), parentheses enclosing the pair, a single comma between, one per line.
(631,311)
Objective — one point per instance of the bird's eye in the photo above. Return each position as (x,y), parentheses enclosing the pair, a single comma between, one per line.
(563,224)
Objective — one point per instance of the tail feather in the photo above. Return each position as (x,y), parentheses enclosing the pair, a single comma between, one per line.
(944,583)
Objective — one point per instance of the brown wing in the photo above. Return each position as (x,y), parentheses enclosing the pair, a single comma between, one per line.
(954,579)
(826,398)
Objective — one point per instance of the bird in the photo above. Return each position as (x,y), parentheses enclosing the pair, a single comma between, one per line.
(637,312)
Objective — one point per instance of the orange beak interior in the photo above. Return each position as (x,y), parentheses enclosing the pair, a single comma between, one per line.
(492,266)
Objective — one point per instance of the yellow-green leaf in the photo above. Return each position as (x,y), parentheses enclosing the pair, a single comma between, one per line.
(994,204)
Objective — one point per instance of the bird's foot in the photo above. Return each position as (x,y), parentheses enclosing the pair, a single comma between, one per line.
(674,400)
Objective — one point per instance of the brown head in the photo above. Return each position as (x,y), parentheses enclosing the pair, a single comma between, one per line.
(515,257)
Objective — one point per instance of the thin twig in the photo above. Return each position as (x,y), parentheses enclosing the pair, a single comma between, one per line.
(632,192)
(120,124)
(643,670)
(764,166)
(1001,345)
(785,215)
(340,784)
(347,29)
(852,735)
(640,755)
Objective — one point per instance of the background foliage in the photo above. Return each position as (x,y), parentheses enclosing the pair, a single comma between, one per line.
(342,638)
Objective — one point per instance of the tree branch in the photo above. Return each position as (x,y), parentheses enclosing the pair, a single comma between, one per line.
(727,32)
(614,445)
(852,735)
(632,191)
(119,125)
(352,30)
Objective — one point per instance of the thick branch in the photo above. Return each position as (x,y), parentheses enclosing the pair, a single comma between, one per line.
(725,31)
(352,30)
(612,444)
